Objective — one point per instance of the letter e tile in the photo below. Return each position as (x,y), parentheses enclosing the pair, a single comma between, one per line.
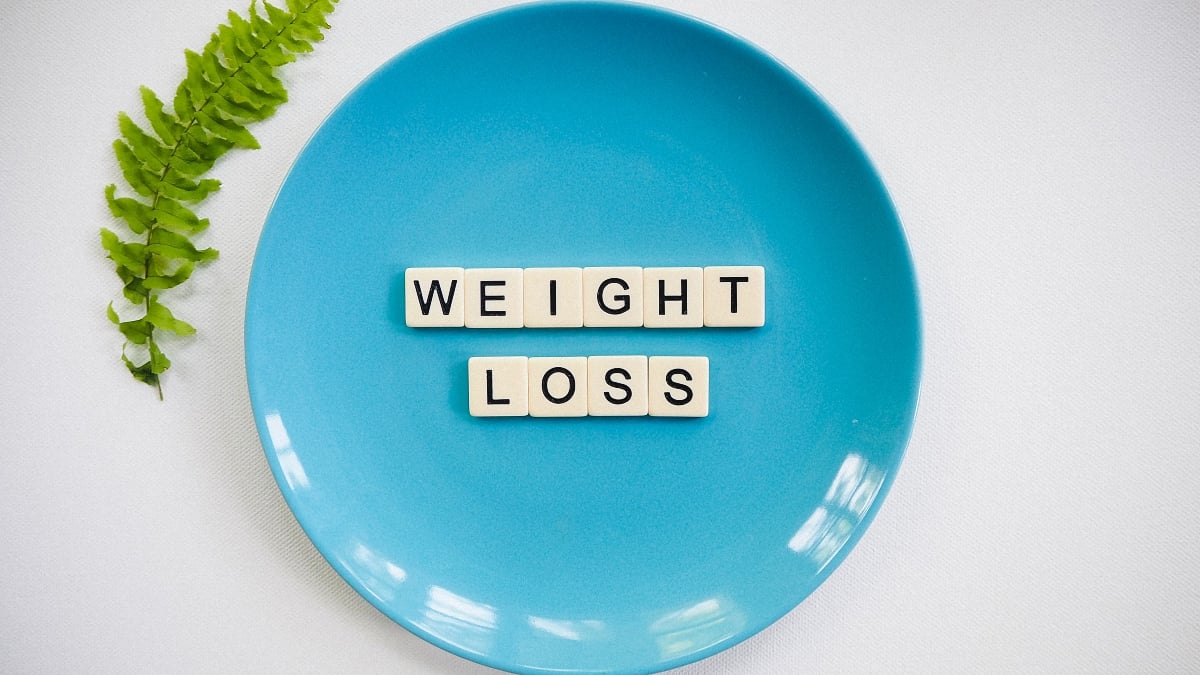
(494,297)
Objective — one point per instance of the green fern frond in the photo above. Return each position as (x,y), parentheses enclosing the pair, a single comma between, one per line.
(229,84)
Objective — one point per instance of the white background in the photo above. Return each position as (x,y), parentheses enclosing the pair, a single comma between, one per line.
(1045,161)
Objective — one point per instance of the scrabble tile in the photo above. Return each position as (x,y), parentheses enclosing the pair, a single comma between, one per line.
(433,297)
(558,386)
(673,297)
(553,297)
(612,296)
(734,296)
(494,297)
(617,386)
(498,386)
(678,386)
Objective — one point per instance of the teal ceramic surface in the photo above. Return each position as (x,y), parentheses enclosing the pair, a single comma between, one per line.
(583,134)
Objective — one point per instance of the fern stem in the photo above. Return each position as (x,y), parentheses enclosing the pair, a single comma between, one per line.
(157,378)
(150,344)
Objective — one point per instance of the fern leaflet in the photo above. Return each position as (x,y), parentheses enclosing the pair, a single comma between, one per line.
(229,84)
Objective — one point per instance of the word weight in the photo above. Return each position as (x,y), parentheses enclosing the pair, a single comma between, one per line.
(573,297)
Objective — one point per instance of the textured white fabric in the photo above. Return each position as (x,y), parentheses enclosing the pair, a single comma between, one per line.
(1045,158)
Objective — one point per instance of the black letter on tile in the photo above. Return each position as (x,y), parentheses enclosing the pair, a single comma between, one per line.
(687,391)
(435,287)
(663,297)
(491,399)
(553,297)
(546,384)
(608,377)
(733,282)
(484,297)
(621,297)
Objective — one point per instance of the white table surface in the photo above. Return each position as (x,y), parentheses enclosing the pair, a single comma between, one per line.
(1045,161)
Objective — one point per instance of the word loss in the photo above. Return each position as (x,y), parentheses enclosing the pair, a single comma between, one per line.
(573,297)
(575,386)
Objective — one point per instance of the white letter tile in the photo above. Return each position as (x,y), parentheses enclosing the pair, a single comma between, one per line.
(494,297)
(612,296)
(558,386)
(673,297)
(678,386)
(498,386)
(617,386)
(433,297)
(734,296)
(553,297)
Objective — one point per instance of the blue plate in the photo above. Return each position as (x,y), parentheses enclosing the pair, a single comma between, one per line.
(583,134)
